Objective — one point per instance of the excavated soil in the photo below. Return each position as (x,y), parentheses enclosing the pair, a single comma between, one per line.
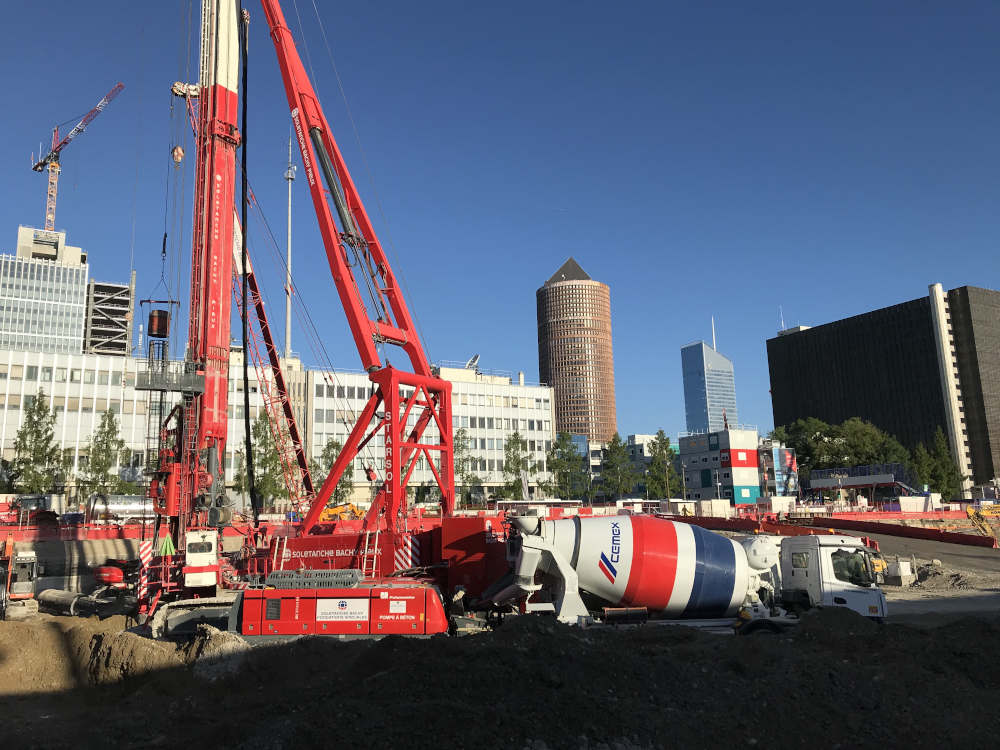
(838,680)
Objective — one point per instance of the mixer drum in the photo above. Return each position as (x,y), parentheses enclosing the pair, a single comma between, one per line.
(640,561)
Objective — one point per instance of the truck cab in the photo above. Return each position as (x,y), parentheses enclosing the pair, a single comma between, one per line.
(830,571)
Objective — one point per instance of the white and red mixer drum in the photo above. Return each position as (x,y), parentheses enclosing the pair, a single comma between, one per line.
(643,561)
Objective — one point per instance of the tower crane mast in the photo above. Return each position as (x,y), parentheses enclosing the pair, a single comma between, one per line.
(51,159)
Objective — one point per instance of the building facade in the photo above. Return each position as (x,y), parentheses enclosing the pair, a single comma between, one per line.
(908,369)
(81,387)
(721,464)
(575,353)
(709,388)
(43,294)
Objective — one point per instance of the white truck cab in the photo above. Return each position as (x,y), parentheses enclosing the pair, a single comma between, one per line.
(829,571)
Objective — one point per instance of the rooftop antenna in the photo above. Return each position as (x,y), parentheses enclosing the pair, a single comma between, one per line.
(781,319)
(713,332)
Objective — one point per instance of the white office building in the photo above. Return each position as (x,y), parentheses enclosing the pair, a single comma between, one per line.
(43,294)
(81,387)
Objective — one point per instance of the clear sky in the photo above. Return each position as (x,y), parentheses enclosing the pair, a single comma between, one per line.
(700,158)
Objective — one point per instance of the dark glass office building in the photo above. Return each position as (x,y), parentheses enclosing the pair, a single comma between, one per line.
(909,369)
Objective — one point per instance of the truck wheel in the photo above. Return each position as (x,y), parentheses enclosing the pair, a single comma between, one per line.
(759,627)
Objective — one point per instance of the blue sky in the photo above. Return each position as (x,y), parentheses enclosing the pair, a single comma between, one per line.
(701,159)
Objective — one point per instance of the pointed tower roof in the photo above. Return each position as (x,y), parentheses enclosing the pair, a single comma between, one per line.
(569,271)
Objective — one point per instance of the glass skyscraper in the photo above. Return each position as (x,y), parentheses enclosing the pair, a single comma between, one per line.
(709,388)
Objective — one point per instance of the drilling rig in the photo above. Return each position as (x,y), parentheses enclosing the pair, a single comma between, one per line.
(410,408)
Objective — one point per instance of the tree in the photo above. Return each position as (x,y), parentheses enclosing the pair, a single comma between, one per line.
(269,480)
(105,450)
(515,460)
(618,475)
(922,465)
(464,464)
(568,468)
(320,469)
(661,476)
(819,445)
(863,443)
(944,474)
(240,474)
(38,463)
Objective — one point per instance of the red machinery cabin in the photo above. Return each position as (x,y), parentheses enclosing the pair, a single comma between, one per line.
(338,603)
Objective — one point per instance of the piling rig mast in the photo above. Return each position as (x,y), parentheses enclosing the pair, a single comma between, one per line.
(188,487)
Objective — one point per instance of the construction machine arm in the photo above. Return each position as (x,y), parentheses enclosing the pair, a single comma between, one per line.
(352,244)
(53,154)
(355,239)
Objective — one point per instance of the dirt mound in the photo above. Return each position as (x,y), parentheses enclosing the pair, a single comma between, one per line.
(49,653)
(938,577)
(214,653)
(116,657)
(834,625)
(534,683)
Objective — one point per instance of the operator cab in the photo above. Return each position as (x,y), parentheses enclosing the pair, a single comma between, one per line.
(201,558)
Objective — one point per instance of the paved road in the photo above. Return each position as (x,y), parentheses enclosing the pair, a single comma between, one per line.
(932,612)
(951,555)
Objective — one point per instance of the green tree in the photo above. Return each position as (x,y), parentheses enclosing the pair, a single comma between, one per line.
(661,476)
(38,463)
(568,468)
(269,480)
(863,443)
(618,475)
(819,445)
(321,468)
(105,450)
(922,465)
(945,475)
(464,464)
(515,460)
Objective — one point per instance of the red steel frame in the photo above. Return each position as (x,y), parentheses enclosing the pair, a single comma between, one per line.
(400,392)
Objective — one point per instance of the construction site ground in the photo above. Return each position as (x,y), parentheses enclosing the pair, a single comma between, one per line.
(837,680)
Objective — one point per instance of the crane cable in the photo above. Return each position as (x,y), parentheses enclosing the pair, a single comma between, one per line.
(313,338)
(255,499)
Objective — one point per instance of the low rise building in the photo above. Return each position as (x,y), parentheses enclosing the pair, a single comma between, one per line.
(81,387)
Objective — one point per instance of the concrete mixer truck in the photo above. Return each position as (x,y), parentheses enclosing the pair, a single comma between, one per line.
(581,569)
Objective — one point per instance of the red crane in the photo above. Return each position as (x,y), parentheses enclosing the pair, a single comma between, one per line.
(51,159)
(411,409)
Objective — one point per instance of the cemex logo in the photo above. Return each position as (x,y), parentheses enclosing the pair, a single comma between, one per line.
(607,562)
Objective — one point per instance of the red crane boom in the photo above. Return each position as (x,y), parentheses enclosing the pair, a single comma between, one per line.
(416,415)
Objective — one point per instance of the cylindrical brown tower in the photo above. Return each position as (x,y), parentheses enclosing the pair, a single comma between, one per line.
(574,351)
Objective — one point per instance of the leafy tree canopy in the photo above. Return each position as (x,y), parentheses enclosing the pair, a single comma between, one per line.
(39,465)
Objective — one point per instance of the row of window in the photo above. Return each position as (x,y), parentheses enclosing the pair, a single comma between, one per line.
(64,375)
(80,405)
(489,444)
(501,423)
